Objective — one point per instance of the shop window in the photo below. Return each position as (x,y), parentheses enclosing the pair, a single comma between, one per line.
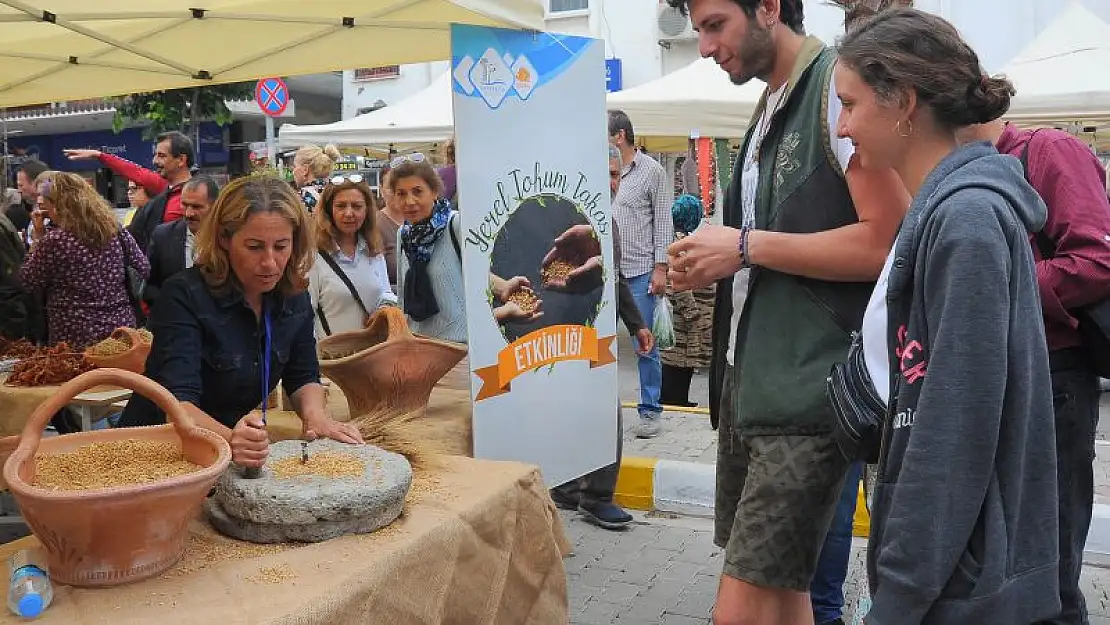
(377,73)
(562,6)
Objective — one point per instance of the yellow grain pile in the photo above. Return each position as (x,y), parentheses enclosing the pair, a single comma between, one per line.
(556,271)
(113,463)
(113,346)
(526,299)
(323,464)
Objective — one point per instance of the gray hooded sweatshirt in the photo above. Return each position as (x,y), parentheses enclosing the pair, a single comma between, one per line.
(964,523)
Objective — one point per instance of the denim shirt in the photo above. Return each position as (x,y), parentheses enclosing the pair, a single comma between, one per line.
(206,350)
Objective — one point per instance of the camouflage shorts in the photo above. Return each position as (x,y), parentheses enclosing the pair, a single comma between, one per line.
(776,496)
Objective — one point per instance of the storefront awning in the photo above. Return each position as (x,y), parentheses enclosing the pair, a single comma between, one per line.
(56,50)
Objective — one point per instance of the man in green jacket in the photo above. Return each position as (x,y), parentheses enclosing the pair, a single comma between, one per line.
(810,230)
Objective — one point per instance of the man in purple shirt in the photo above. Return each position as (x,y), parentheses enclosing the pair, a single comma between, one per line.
(1072,182)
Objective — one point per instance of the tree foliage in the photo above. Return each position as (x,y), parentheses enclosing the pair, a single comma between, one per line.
(163,111)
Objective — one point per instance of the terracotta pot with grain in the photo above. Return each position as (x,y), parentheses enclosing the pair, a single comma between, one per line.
(133,360)
(384,367)
(122,534)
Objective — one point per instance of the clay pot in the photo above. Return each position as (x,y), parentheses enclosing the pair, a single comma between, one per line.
(112,536)
(133,360)
(384,368)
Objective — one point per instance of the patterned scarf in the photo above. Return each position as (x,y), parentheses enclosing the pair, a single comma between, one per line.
(417,241)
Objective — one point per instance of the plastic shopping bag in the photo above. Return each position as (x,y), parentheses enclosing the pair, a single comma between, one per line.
(663,324)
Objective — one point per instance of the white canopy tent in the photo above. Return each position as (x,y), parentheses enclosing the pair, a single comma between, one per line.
(698,98)
(418,120)
(1062,75)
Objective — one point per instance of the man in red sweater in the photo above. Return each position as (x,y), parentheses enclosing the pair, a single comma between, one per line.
(1074,273)
(174,157)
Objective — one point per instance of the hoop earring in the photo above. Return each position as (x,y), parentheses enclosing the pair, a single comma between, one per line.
(898,129)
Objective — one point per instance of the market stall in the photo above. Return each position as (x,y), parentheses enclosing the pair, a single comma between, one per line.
(479,542)
(61,51)
(416,122)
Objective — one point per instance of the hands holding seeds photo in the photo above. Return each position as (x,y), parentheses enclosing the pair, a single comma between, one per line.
(574,264)
(518,301)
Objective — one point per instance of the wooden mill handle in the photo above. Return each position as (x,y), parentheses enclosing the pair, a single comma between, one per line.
(32,431)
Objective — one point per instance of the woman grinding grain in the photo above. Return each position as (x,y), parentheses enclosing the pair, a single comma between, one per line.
(228,329)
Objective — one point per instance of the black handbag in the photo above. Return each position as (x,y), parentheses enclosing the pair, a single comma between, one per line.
(133,281)
(859,410)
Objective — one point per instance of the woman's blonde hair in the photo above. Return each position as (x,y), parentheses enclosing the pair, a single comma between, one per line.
(327,234)
(320,161)
(243,197)
(79,209)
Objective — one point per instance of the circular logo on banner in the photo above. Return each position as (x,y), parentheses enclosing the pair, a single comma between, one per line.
(272,96)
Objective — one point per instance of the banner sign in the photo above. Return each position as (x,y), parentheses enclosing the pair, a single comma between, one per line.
(537,246)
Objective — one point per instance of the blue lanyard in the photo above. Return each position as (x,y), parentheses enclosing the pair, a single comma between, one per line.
(265,361)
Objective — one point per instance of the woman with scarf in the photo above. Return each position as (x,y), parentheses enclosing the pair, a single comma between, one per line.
(429,267)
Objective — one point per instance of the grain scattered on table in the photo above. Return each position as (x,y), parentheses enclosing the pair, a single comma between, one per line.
(110,464)
(274,574)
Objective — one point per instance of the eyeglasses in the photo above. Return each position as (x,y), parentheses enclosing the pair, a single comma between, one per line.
(132,189)
(415,157)
(351,178)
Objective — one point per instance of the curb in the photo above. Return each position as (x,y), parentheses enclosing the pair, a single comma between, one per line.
(688,488)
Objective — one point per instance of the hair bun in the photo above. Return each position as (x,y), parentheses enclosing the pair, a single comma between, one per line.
(989,99)
(332,152)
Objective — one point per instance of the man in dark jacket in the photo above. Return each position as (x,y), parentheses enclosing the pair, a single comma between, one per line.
(592,495)
(171,248)
(1073,270)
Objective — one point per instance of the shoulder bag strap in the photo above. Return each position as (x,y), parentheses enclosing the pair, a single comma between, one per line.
(454,238)
(1044,244)
(343,276)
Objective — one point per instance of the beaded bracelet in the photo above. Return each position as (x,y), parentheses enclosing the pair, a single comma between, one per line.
(744,262)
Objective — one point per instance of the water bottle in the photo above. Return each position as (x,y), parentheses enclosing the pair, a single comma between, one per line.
(29,591)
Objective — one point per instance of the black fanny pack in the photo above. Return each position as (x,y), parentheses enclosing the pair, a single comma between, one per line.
(859,410)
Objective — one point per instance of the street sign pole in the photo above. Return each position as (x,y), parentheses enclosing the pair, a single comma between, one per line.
(272,96)
(271,142)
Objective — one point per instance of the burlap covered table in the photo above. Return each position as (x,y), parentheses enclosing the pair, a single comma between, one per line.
(480,543)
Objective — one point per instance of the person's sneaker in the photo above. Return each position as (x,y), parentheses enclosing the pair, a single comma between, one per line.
(606,515)
(649,427)
(563,500)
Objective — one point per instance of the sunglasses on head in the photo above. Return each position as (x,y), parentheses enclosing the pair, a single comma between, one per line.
(415,157)
(351,178)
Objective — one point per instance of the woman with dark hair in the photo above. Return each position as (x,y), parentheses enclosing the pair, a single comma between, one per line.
(429,267)
(349,279)
(228,329)
(964,520)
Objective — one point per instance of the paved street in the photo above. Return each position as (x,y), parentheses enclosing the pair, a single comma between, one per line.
(664,572)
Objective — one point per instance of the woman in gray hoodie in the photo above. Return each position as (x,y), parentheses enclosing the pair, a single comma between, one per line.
(964,516)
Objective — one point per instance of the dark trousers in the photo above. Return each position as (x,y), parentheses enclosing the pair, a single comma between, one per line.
(599,485)
(826,590)
(1075,396)
(676,385)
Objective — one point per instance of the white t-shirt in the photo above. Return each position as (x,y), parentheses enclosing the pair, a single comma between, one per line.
(875,354)
(749,181)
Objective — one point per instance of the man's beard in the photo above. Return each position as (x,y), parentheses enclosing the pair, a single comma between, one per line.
(756,54)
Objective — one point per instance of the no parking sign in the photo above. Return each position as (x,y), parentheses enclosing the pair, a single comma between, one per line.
(272,96)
